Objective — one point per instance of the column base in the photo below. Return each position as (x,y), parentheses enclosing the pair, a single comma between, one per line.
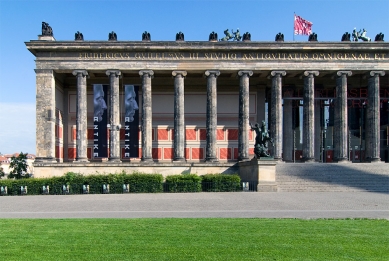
(179,160)
(374,160)
(211,160)
(342,160)
(81,160)
(309,160)
(114,160)
(147,160)
(243,159)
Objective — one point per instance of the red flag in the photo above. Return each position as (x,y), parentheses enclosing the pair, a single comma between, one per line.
(302,26)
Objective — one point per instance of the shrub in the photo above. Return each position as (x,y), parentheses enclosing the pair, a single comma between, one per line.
(34,186)
(183,183)
(144,183)
(139,183)
(71,178)
(220,183)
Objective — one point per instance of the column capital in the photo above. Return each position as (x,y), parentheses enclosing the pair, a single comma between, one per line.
(380,73)
(150,73)
(175,73)
(308,73)
(281,73)
(82,72)
(117,73)
(248,73)
(212,72)
(347,73)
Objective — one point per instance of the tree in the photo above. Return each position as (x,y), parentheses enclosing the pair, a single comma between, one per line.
(2,174)
(19,165)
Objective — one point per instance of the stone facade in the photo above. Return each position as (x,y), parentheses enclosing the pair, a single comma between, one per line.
(326,101)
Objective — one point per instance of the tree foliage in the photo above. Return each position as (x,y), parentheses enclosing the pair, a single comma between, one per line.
(2,174)
(19,166)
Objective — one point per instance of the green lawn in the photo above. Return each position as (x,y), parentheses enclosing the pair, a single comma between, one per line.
(193,239)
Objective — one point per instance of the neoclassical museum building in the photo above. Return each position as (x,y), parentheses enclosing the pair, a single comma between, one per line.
(189,105)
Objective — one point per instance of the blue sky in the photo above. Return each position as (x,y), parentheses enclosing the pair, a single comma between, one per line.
(20,21)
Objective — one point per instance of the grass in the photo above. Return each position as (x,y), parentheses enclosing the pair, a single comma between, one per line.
(194,239)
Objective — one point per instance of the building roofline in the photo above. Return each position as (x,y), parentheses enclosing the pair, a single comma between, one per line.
(36,46)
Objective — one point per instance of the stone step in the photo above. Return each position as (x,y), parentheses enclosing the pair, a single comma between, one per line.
(332,187)
(318,177)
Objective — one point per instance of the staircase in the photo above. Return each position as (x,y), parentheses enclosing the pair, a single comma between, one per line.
(331,177)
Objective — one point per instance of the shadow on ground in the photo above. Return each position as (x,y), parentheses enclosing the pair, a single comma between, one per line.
(333,177)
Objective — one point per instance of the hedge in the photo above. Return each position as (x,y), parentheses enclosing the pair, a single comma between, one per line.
(220,183)
(183,183)
(138,183)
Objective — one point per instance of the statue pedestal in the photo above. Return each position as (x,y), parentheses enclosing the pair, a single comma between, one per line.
(261,171)
(46,38)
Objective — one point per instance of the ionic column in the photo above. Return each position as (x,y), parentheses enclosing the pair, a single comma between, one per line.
(114,112)
(243,135)
(81,114)
(341,118)
(309,116)
(276,113)
(373,117)
(147,145)
(211,124)
(317,133)
(179,116)
(45,116)
(287,138)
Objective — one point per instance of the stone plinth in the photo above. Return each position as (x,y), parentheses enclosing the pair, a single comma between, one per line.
(169,168)
(261,171)
(46,38)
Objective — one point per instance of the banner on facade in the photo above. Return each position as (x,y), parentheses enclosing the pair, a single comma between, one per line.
(302,26)
(100,119)
(131,122)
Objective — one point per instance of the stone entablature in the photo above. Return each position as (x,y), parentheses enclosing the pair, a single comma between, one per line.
(170,55)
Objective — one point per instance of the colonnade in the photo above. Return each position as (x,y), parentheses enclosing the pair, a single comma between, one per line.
(280,115)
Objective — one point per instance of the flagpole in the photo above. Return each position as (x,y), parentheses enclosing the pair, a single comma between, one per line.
(294,17)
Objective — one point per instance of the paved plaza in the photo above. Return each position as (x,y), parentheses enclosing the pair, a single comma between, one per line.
(306,205)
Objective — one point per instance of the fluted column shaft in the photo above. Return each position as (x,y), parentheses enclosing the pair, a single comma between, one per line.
(373,117)
(276,113)
(147,123)
(243,133)
(287,139)
(114,112)
(81,114)
(318,134)
(309,116)
(211,124)
(45,116)
(341,117)
(179,116)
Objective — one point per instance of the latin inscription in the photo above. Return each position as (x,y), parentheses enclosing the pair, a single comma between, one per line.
(234,56)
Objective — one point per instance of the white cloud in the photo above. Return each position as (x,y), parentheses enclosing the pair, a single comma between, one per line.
(17,127)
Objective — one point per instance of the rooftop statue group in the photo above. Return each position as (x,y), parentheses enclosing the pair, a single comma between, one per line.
(360,35)
(46,29)
(262,138)
(234,36)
